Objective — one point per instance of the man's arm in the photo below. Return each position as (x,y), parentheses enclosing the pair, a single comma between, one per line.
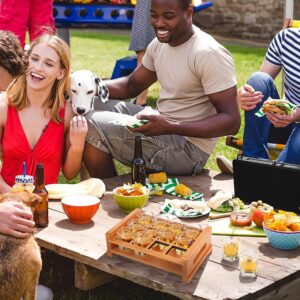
(132,85)
(271,69)
(226,121)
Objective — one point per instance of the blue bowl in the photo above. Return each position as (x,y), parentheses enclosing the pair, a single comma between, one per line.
(282,239)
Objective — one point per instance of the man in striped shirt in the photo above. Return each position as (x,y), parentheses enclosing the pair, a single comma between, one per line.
(283,53)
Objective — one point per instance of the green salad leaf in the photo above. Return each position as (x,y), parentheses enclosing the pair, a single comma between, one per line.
(229,205)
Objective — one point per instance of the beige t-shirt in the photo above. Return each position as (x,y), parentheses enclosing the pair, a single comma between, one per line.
(187,74)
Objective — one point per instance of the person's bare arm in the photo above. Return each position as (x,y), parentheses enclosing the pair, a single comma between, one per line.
(132,85)
(226,121)
(271,69)
(76,131)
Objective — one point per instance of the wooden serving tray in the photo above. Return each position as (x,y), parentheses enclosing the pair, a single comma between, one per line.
(185,265)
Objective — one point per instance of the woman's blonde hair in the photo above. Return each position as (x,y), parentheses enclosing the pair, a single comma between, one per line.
(16,92)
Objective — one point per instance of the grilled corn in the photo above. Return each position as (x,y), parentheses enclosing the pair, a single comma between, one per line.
(183,190)
(160,177)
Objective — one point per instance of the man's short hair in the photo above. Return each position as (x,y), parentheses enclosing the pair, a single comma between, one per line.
(12,57)
(184,4)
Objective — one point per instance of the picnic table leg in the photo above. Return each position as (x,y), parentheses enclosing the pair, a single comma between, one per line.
(87,277)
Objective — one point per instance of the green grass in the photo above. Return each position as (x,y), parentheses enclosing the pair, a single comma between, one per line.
(98,52)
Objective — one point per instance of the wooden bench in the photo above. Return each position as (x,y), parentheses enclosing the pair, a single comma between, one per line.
(278,271)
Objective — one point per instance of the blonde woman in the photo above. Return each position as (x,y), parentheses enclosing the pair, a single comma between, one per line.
(37,125)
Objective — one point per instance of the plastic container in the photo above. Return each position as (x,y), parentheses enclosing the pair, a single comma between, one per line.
(23,183)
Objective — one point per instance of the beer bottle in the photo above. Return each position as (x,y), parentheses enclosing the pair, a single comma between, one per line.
(138,164)
(40,214)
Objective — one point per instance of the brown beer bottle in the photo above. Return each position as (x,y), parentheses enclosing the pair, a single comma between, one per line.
(40,214)
(138,164)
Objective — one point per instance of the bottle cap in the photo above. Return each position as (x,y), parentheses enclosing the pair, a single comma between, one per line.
(24,179)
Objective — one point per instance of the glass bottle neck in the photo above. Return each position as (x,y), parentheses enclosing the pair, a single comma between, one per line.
(138,152)
(40,181)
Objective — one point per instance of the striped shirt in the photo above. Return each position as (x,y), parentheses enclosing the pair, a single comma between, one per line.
(284,51)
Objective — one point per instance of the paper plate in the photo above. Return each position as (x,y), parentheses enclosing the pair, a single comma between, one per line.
(129,121)
(175,207)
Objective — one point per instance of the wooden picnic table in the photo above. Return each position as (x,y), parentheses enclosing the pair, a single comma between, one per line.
(278,270)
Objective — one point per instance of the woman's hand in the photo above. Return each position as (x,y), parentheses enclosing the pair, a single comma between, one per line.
(16,219)
(78,132)
(248,98)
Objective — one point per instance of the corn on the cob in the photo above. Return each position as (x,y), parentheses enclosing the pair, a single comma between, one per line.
(183,190)
(160,177)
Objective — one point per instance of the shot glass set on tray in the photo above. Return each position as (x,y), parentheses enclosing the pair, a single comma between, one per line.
(171,246)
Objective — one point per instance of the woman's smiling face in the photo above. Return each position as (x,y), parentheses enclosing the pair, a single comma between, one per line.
(44,67)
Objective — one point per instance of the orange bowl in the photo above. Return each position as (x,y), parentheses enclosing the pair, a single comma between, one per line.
(80,208)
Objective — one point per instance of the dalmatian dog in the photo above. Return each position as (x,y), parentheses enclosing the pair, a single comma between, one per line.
(85,88)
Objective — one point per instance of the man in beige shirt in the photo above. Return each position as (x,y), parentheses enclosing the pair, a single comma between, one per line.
(197,102)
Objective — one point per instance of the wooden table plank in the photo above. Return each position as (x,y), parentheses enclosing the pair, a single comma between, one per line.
(216,279)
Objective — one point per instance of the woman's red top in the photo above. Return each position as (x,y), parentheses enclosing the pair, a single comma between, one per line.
(16,149)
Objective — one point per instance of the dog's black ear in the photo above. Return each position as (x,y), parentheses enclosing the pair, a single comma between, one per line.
(102,90)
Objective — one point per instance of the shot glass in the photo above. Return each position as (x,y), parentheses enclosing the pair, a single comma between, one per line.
(231,250)
(145,220)
(192,232)
(125,235)
(136,227)
(161,225)
(143,240)
(166,236)
(175,227)
(152,232)
(248,264)
(184,242)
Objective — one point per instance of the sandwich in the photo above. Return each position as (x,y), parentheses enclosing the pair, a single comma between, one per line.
(222,202)
(277,106)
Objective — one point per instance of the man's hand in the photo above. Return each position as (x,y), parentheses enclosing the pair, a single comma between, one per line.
(279,120)
(78,132)
(16,219)
(157,125)
(248,98)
